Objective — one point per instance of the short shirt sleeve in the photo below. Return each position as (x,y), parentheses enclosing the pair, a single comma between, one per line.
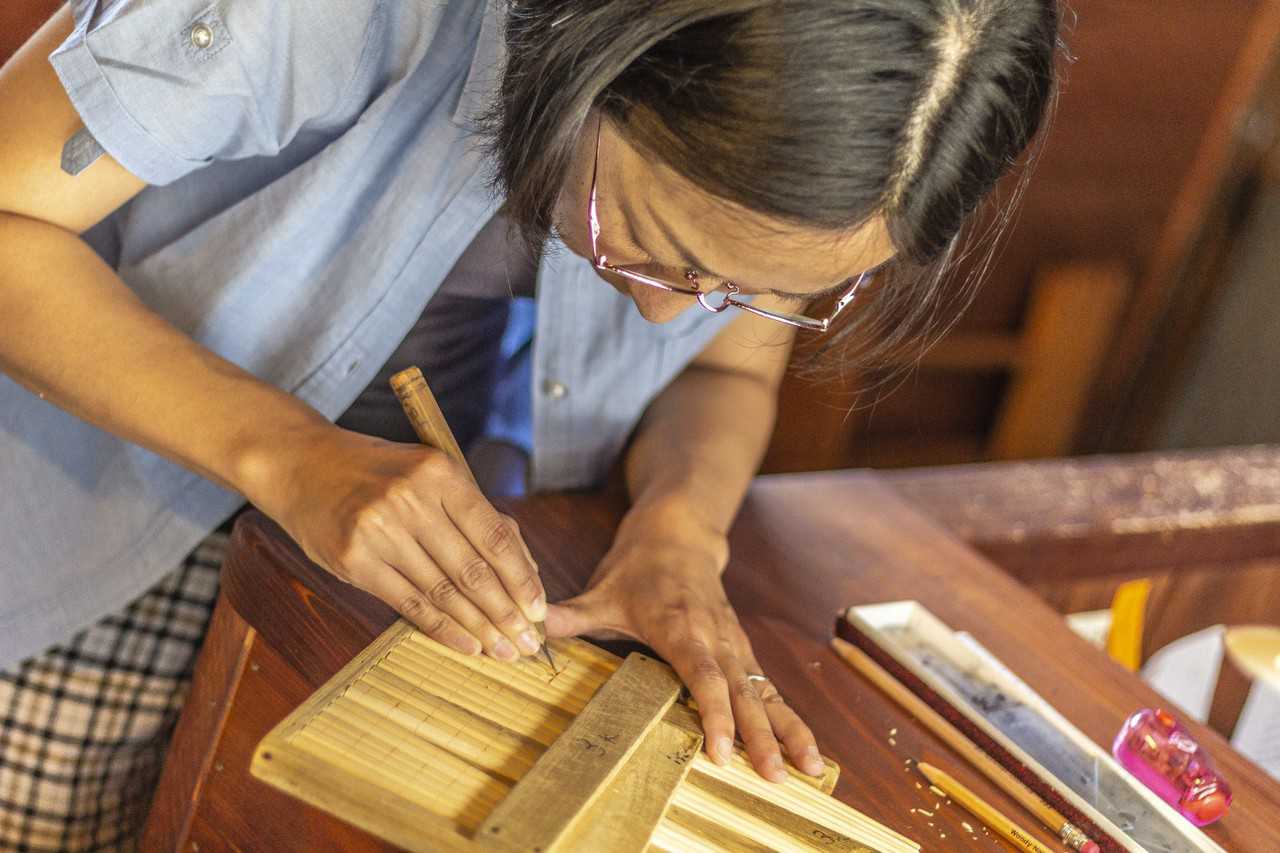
(168,87)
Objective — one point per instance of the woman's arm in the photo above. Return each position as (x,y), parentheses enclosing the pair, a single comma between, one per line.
(398,520)
(702,439)
(695,452)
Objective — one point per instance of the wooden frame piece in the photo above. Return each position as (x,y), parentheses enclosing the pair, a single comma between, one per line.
(569,777)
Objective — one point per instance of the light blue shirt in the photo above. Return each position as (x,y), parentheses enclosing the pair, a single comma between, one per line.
(315,173)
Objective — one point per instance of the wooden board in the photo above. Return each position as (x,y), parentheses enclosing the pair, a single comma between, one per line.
(434,750)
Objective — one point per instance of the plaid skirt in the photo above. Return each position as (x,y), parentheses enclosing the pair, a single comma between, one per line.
(84,726)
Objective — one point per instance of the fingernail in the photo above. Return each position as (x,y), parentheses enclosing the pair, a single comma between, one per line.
(813,764)
(538,610)
(774,769)
(504,650)
(528,641)
(724,750)
(473,647)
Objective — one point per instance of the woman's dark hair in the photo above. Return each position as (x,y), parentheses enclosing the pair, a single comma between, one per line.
(820,113)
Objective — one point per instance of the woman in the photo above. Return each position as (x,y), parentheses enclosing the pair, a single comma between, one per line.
(222,225)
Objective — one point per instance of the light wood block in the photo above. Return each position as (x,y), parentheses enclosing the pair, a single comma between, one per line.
(575,770)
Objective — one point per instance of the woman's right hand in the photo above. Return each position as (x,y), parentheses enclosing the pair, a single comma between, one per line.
(405,523)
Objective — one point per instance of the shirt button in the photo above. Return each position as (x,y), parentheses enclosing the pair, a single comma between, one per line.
(553,389)
(201,36)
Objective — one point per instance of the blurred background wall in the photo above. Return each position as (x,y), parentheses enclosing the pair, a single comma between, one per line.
(1229,390)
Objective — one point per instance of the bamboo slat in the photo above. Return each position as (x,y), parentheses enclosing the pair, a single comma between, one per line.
(673,838)
(718,813)
(385,813)
(800,799)
(472,737)
(447,785)
(370,776)
(570,688)
(686,830)
(766,821)
(485,699)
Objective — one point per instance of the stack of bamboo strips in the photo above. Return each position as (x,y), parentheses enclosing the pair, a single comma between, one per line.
(412,721)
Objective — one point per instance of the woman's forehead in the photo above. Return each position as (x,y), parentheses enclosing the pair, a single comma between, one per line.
(744,244)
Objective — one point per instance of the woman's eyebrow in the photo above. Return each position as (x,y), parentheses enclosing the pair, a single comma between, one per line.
(833,290)
(836,289)
(682,251)
(670,237)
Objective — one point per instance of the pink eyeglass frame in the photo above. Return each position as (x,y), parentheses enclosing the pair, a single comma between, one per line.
(800,321)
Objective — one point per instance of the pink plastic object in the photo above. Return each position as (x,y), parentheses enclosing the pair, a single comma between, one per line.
(1154,746)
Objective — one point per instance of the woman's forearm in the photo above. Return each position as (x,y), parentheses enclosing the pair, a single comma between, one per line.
(697,449)
(72,332)
(398,520)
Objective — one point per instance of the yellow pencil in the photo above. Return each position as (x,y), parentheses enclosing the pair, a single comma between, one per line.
(985,813)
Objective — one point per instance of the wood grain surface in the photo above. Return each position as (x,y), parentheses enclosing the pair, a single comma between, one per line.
(804,547)
(1203,526)
(1107,515)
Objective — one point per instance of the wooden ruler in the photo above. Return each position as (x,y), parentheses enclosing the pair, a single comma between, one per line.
(544,806)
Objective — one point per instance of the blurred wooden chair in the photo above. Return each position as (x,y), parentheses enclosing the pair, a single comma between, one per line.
(1250,654)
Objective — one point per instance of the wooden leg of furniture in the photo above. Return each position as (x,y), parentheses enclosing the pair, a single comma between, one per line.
(1073,314)
(1229,695)
(1249,653)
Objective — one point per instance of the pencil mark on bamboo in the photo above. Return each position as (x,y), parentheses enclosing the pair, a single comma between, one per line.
(682,755)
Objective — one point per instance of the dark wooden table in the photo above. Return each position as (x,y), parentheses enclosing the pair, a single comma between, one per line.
(804,546)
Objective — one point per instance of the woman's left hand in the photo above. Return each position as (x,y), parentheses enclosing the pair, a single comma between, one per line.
(663,588)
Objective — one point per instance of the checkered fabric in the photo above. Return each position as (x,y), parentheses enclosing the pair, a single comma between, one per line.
(84,726)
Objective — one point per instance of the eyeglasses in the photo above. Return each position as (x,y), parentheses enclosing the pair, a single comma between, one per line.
(731,290)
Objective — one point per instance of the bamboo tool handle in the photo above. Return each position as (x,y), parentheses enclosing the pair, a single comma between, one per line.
(424,413)
(953,738)
(428,421)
